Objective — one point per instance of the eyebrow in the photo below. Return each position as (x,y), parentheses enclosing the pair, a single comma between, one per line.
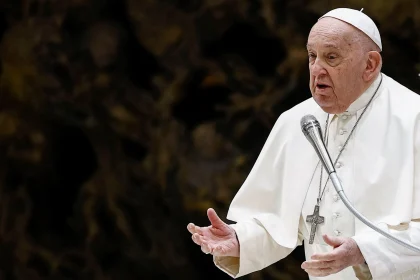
(326,45)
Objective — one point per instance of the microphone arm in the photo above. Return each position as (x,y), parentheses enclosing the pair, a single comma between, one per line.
(312,130)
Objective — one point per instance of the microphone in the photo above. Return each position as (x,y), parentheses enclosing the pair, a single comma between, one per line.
(312,130)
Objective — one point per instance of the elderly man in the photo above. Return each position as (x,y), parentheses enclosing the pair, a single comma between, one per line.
(371,126)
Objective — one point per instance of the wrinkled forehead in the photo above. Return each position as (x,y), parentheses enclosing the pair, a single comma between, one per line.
(333,33)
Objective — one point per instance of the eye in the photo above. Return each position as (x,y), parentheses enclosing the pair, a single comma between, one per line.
(311,56)
(331,56)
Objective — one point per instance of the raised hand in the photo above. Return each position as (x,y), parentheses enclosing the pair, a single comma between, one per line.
(218,239)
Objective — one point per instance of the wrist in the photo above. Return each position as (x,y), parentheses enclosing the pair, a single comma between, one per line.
(360,259)
(236,244)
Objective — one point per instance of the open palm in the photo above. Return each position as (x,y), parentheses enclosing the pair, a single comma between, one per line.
(219,238)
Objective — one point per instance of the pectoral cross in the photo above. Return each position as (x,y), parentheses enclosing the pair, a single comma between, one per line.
(315,219)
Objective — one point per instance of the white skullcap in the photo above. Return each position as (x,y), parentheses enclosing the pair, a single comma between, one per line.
(359,20)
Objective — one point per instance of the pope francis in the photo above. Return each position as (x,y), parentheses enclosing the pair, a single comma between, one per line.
(371,128)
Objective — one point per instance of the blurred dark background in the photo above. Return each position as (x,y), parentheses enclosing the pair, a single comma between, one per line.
(123,120)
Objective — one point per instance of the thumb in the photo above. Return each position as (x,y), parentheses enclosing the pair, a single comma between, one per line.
(214,219)
(332,241)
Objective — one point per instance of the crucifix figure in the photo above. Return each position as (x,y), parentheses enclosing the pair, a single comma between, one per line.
(314,219)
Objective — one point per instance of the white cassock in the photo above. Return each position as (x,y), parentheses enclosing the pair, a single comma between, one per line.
(380,172)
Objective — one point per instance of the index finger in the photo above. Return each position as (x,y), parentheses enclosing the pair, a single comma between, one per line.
(332,256)
(191,228)
(194,229)
(315,264)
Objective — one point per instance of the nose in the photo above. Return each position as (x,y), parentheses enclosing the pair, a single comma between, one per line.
(317,68)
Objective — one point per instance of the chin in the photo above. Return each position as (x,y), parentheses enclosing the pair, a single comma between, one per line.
(332,109)
(328,107)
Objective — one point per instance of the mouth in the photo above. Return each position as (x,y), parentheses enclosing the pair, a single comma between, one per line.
(321,86)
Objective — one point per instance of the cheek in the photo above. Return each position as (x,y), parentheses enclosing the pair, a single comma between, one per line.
(344,84)
(340,81)
(342,78)
(311,77)
(336,77)
(311,80)
(310,72)
(313,69)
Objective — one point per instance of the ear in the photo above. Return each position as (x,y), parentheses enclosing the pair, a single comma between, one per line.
(373,65)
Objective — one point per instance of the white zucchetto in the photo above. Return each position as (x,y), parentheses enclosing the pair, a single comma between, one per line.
(359,20)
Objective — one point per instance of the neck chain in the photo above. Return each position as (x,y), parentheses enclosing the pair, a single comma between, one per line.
(315,219)
(345,144)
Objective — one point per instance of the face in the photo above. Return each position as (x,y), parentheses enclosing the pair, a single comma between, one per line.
(336,65)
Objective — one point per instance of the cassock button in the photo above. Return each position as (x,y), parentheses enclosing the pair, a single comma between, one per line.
(340,148)
(339,165)
(336,215)
(342,131)
(336,197)
(344,117)
(337,232)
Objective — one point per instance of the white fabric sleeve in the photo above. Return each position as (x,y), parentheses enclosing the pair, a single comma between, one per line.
(257,250)
(387,259)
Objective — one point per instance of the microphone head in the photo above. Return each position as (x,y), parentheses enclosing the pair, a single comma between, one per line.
(307,122)
(313,133)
